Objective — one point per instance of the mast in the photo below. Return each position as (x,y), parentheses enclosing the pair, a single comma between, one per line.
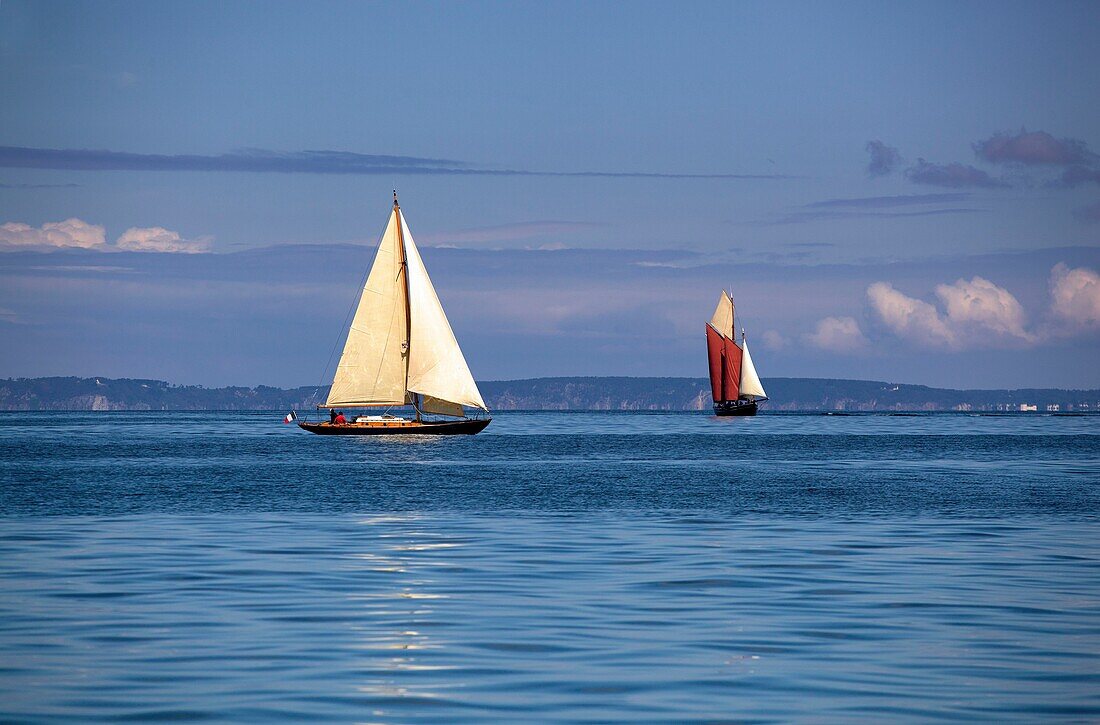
(408,311)
(725,371)
(733,315)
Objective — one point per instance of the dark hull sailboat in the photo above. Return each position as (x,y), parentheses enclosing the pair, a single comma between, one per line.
(401,351)
(735,407)
(734,384)
(405,427)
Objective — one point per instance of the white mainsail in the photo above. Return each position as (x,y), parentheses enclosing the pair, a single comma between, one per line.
(750,381)
(437,367)
(387,355)
(722,319)
(372,368)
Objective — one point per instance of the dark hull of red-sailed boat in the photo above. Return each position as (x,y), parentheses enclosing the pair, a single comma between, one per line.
(735,407)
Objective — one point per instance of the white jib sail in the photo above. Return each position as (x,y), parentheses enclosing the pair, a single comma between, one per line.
(722,320)
(750,381)
(371,370)
(436,366)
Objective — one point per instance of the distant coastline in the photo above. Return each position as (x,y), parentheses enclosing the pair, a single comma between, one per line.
(562,393)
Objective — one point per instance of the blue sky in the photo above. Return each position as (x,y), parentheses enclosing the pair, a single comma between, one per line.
(904,192)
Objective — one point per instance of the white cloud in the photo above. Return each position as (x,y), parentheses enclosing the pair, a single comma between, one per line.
(1075,295)
(159,239)
(977,313)
(908,317)
(982,306)
(76,233)
(69,233)
(773,340)
(837,334)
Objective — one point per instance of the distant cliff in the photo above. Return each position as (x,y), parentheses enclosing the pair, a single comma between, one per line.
(607,393)
(785,394)
(131,394)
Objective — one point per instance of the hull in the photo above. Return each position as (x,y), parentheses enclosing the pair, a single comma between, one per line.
(735,407)
(431,428)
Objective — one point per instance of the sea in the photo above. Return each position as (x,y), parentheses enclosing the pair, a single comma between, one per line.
(558,567)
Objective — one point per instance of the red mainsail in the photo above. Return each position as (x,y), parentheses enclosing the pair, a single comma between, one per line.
(731,380)
(714,355)
(725,366)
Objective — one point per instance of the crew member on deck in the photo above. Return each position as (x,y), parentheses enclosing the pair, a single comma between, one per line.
(332,415)
(339,419)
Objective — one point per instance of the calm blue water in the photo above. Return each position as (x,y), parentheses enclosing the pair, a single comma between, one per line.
(559,566)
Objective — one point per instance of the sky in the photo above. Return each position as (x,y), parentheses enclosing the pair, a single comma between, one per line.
(901,192)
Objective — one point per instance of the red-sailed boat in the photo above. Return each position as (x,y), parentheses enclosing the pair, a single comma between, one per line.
(734,384)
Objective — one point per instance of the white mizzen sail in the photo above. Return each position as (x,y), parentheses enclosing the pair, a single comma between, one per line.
(437,368)
(750,381)
(722,320)
(373,367)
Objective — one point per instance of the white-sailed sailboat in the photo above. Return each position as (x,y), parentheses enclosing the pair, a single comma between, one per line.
(734,384)
(400,350)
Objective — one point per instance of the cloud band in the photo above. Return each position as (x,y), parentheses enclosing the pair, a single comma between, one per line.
(299,162)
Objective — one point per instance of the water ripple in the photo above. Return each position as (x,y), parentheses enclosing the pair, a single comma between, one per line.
(773,572)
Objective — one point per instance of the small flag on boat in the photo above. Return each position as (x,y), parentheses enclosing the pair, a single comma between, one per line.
(290,417)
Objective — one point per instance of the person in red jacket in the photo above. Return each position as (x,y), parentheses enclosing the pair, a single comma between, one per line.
(339,419)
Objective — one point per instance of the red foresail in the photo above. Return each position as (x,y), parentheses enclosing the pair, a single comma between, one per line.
(714,355)
(731,374)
